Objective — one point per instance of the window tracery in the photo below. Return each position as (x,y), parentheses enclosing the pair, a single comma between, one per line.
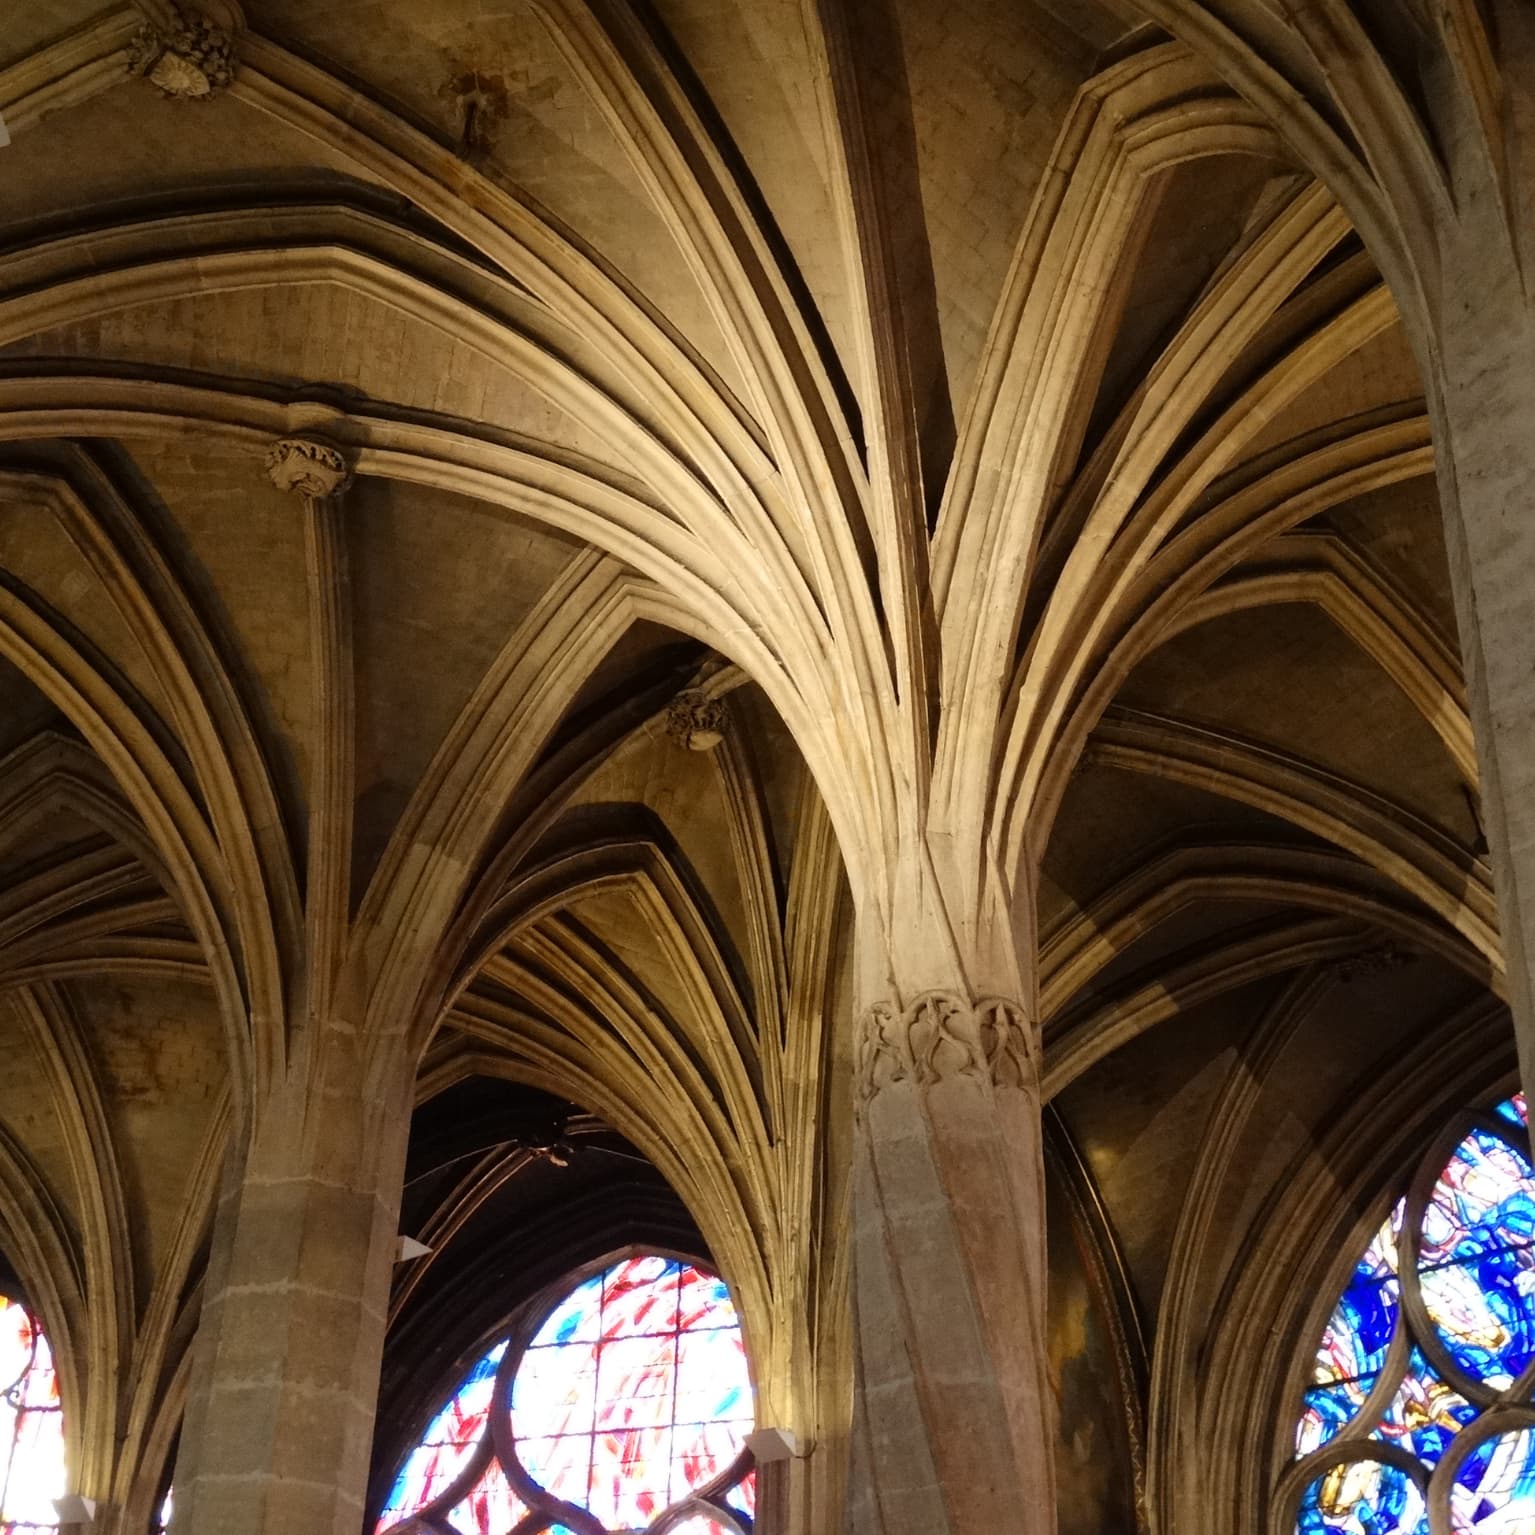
(623,1407)
(32,1470)
(1419,1413)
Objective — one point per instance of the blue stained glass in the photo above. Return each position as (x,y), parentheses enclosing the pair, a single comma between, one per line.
(1362,1497)
(1484,1200)
(1328,1411)
(743,1496)
(1468,1500)
(1476,1270)
(1425,1414)
(1354,1342)
(1503,1496)
(1485,1312)
(1515,1110)
(1359,1331)
(1477,1261)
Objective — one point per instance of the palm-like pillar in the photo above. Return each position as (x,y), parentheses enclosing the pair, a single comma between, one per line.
(1043,560)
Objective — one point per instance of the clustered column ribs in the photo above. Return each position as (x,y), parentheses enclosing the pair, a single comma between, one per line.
(319,472)
(278,1428)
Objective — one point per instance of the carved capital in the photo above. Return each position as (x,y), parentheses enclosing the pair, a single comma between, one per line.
(183,54)
(940,1035)
(305,465)
(696,721)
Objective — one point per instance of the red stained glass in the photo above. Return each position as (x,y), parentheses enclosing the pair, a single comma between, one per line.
(639,1298)
(629,1486)
(561,1466)
(636,1383)
(704,1301)
(743,1495)
(556,1391)
(32,1469)
(631,1396)
(447,1446)
(490,1507)
(672,1400)
(701,1452)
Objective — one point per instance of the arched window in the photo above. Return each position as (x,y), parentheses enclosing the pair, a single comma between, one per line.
(1420,1393)
(32,1473)
(624,1406)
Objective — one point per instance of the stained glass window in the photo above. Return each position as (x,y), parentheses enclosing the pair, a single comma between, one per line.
(32,1472)
(624,1407)
(1423,1379)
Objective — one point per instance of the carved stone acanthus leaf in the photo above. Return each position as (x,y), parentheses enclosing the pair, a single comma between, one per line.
(309,467)
(696,721)
(940,1035)
(189,57)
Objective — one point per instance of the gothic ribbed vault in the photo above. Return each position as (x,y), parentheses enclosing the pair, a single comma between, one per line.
(554,553)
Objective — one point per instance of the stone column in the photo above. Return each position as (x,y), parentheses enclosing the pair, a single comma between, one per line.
(1477,343)
(279,1423)
(952,1403)
(1485,444)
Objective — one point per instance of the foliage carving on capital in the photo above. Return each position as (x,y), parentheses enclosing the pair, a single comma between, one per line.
(183,53)
(303,464)
(940,1035)
(696,721)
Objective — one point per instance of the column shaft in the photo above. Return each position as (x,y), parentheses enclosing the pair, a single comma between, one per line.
(1479,354)
(952,1411)
(279,1426)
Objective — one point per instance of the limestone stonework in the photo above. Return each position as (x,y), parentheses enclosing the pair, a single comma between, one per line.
(184,54)
(696,721)
(307,467)
(940,1035)
(891,625)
